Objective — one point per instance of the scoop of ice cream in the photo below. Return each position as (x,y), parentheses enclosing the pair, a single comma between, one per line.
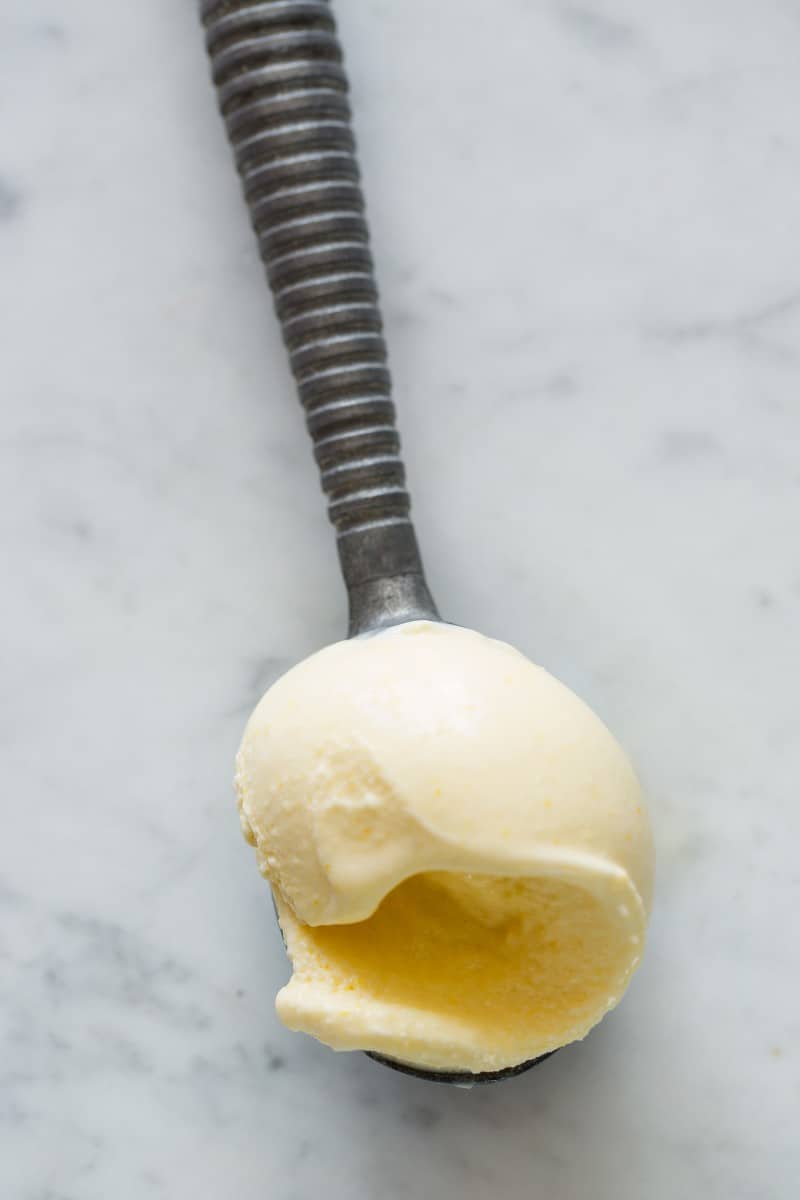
(458,848)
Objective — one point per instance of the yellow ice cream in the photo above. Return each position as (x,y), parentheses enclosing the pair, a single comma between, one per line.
(458,848)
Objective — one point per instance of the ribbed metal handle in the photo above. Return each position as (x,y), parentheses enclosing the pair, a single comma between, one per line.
(277,66)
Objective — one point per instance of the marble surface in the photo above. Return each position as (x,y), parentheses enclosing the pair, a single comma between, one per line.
(585,223)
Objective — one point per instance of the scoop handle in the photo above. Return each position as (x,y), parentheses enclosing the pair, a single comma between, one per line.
(282,91)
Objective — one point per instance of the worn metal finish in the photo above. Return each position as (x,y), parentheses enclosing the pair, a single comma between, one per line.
(282,90)
(277,66)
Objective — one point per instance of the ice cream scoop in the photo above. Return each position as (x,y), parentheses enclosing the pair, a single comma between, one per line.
(458,849)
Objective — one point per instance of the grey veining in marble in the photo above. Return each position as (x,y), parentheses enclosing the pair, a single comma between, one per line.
(588,250)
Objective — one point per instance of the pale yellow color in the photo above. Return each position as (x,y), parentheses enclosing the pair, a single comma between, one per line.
(458,848)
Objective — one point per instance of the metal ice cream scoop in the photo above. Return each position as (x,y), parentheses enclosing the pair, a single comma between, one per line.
(282,89)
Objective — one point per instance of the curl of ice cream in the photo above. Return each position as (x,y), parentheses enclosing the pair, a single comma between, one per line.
(458,848)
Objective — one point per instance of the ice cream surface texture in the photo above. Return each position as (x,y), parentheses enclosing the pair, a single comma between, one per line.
(458,849)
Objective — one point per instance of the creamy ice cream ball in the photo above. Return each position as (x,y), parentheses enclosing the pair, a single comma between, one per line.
(459,850)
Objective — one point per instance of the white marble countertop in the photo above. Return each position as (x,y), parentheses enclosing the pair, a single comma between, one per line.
(586,228)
